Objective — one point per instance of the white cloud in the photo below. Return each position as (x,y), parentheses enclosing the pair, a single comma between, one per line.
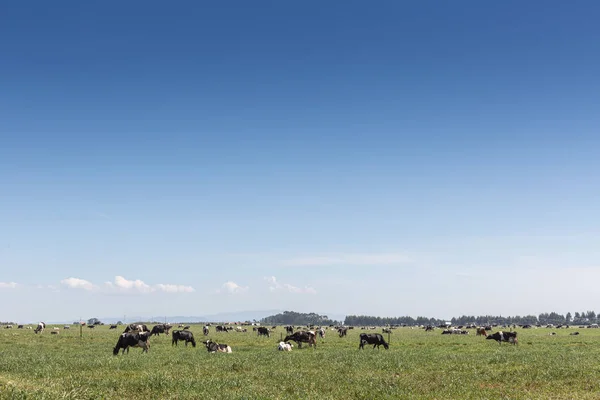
(76,283)
(8,285)
(174,288)
(274,286)
(123,285)
(232,287)
(350,259)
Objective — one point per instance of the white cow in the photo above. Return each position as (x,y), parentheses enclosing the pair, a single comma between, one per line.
(283,346)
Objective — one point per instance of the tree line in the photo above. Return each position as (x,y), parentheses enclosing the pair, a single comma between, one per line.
(295,318)
(583,318)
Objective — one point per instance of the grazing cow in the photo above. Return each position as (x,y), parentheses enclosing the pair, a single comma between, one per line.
(376,339)
(136,328)
(342,332)
(481,332)
(187,336)
(289,330)
(66,327)
(127,340)
(213,347)
(8,327)
(285,346)
(91,326)
(302,337)
(262,331)
(160,328)
(54,333)
(321,333)
(500,337)
(220,328)
(40,327)
(113,327)
(205,330)
(574,333)
(386,330)
(20,327)
(429,328)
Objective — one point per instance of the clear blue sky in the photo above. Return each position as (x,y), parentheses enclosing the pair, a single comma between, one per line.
(373,157)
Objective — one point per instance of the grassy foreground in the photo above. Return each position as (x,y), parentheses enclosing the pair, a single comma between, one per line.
(418,365)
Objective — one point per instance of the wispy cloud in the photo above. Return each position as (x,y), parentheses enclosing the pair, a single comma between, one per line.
(174,288)
(232,287)
(8,285)
(350,259)
(275,286)
(76,283)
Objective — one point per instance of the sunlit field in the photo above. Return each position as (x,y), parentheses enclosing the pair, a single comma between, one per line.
(419,364)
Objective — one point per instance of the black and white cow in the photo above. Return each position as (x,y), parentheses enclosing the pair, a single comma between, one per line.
(262,331)
(40,327)
(213,347)
(205,330)
(343,332)
(136,328)
(220,328)
(500,337)
(113,327)
(160,328)
(186,336)
(302,337)
(376,339)
(289,330)
(321,333)
(127,340)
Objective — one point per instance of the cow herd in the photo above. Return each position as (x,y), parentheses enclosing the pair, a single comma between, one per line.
(138,335)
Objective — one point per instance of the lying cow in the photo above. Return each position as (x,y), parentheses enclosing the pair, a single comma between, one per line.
(213,347)
(187,336)
(302,337)
(127,340)
(500,337)
(376,339)
(285,346)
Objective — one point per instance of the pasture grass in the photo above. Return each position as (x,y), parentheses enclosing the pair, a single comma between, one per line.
(419,365)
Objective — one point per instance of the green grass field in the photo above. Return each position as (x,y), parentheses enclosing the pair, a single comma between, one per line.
(418,365)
